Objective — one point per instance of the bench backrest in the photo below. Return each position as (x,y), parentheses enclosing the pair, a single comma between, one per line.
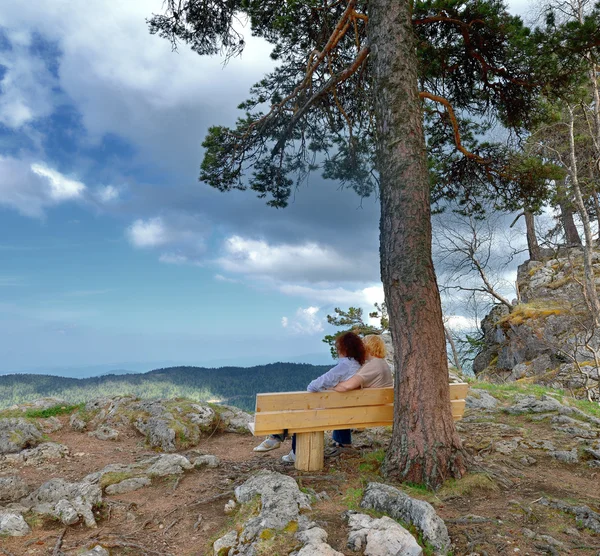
(319,411)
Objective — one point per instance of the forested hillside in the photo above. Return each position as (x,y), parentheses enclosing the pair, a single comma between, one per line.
(232,385)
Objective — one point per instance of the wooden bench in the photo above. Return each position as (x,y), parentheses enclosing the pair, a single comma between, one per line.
(308,414)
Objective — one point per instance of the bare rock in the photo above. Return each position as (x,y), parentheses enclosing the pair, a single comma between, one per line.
(96,551)
(322,549)
(314,536)
(397,504)
(507,446)
(565,456)
(225,543)
(50,425)
(207,461)
(235,419)
(128,485)
(281,502)
(584,514)
(44,452)
(12,524)
(17,434)
(65,501)
(104,432)
(480,399)
(77,423)
(380,537)
(531,404)
(167,464)
(12,488)
(158,433)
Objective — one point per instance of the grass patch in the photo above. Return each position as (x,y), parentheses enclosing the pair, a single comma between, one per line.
(508,391)
(469,484)
(534,310)
(114,477)
(353,497)
(32,413)
(371,462)
(278,543)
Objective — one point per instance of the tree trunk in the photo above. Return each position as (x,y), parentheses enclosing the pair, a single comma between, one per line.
(425,447)
(568,224)
(535,253)
(588,249)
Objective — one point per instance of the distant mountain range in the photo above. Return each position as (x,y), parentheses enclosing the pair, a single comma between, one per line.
(232,385)
(121,368)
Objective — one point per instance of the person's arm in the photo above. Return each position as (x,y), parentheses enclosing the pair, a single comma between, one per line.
(352,383)
(330,379)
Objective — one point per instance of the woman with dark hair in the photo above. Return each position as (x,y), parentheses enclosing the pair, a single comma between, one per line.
(351,355)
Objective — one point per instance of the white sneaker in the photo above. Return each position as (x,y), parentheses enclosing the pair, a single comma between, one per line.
(290,458)
(268,444)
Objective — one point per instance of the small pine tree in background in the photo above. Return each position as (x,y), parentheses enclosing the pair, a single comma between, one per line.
(352,321)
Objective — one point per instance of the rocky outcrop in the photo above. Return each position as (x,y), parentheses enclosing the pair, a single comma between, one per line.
(67,502)
(280,507)
(12,524)
(12,488)
(167,425)
(397,504)
(585,515)
(35,456)
(547,337)
(17,434)
(380,537)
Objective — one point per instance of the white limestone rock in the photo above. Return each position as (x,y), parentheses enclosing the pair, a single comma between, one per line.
(399,505)
(12,524)
(128,485)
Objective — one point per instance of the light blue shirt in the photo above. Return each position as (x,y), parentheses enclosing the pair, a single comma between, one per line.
(344,370)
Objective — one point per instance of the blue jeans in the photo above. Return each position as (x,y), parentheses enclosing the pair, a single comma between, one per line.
(343,436)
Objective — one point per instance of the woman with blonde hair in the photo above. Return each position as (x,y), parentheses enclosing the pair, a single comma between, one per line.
(375,373)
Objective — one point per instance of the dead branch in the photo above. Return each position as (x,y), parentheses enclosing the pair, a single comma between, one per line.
(115,543)
(59,541)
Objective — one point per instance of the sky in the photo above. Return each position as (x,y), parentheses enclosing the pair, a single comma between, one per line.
(112,254)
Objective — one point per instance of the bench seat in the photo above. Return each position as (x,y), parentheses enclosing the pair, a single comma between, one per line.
(308,414)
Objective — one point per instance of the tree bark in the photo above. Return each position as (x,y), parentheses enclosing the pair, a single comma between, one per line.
(425,447)
(568,223)
(588,249)
(535,253)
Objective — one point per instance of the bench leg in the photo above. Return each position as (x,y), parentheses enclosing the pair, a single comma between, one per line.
(310,451)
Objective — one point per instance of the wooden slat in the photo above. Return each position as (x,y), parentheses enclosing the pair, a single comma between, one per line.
(332,418)
(459,391)
(356,398)
(327,419)
(322,400)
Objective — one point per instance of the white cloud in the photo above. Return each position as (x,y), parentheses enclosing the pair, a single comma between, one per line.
(107,193)
(301,262)
(306,321)
(114,71)
(460,322)
(365,297)
(148,233)
(182,233)
(31,187)
(27,85)
(61,187)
